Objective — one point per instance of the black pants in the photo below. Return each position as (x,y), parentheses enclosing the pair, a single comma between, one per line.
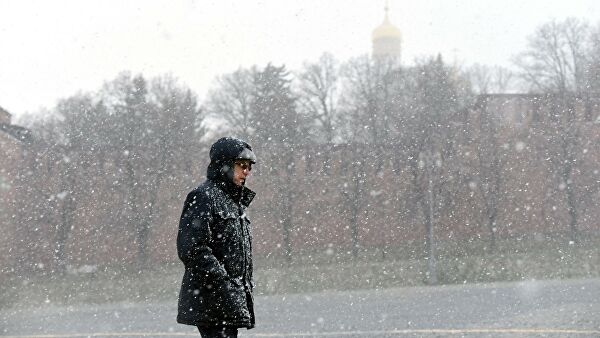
(218,332)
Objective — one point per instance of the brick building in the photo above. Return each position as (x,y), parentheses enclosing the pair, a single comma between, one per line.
(14,141)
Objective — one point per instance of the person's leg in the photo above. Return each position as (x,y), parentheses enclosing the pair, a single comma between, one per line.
(217,332)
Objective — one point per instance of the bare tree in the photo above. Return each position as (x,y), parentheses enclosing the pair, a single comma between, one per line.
(173,122)
(502,80)
(369,99)
(555,63)
(481,78)
(231,101)
(368,127)
(485,79)
(555,58)
(154,127)
(318,98)
(593,72)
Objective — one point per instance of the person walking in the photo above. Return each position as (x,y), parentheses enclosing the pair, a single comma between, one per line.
(214,242)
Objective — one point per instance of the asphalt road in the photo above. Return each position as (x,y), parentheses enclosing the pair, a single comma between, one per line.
(525,309)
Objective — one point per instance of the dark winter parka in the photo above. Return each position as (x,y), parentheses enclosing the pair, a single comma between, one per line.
(214,243)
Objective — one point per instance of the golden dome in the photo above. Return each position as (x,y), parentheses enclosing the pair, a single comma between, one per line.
(386,30)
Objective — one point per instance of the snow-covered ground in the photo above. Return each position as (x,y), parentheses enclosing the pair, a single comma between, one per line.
(514,309)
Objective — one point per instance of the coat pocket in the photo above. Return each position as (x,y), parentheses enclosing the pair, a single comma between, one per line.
(225,227)
(234,300)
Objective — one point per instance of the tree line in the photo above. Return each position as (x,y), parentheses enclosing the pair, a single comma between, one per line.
(352,153)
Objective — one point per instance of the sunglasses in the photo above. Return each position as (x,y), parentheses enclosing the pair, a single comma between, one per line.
(245,165)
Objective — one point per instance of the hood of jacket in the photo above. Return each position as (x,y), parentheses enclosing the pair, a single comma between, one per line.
(223,154)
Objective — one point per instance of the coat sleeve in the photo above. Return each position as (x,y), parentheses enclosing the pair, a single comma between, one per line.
(194,237)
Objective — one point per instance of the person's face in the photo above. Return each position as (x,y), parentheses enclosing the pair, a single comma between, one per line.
(241,171)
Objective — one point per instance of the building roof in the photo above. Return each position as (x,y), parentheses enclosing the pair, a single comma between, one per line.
(20,133)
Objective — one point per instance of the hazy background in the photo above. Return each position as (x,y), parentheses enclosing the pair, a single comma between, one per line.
(53,49)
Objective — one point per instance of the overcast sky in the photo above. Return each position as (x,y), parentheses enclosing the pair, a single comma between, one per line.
(52,49)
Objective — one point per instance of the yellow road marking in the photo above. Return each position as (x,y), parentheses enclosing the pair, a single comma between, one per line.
(321,334)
